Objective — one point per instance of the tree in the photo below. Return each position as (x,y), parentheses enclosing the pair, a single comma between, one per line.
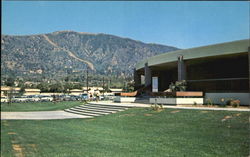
(10,81)
(9,95)
(22,90)
(44,87)
(67,87)
(57,87)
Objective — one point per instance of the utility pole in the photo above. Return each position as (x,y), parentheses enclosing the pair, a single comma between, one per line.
(124,86)
(87,80)
(110,82)
(103,86)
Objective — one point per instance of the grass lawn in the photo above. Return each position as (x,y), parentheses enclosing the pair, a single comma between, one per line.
(135,132)
(38,106)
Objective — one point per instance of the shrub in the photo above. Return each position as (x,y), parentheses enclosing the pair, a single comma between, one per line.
(223,100)
(157,107)
(234,103)
(228,102)
(209,102)
(178,86)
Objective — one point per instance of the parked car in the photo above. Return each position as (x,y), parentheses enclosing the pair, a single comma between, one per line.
(100,97)
(84,96)
(65,97)
(46,98)
(4,99)
(74,97)
(33,98)
(19,99)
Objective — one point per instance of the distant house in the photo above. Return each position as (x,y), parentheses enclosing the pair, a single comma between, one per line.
(115,90)
(2,94)
(93,90)
(29,83)
(32,91)
(76,91)
(6,89)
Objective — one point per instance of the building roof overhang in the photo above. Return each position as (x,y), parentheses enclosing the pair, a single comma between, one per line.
(198,52)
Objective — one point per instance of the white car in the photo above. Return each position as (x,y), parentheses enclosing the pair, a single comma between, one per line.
(33,98)
(4,99)
(46,98)
(19,99)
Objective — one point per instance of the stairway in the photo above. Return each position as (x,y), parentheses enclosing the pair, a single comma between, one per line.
(95,110)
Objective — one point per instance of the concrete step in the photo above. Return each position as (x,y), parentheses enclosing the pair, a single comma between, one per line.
(82,113)
(108,106)
(97,109)
(91,112)
(103,108)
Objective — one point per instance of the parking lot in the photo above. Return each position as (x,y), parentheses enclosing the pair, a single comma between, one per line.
(50,98)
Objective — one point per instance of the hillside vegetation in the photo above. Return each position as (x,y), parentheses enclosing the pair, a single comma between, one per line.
(64,53)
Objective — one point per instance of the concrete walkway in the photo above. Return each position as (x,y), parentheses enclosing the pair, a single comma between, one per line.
(174,107)
(40,115)
(46,115)
(111,103)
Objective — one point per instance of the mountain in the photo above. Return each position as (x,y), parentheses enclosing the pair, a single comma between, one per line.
(63,53)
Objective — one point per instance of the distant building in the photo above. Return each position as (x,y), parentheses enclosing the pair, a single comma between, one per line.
(93,90)
(32,92)
(6,89)
(115,90)
(28,83)
(76,91)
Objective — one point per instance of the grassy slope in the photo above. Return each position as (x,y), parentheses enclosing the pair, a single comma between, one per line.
(187,133)
(39,106)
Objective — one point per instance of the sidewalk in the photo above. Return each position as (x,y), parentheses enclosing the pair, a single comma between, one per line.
(165,106)
(46,115)
(40,115)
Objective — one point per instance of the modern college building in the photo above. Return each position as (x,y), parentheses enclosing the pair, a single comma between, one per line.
(220,70)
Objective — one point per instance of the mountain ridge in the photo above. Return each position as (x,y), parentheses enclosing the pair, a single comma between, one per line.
(60,53)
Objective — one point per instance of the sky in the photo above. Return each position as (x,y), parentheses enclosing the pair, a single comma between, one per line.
(176,23)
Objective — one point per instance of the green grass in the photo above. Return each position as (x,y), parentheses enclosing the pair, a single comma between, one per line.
(135,132)
(38,106)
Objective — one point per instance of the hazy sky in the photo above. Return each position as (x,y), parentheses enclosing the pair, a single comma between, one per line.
(180,24)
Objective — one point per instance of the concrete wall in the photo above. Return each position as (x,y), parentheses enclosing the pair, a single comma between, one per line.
(176,101)
(124,99)
(216,97)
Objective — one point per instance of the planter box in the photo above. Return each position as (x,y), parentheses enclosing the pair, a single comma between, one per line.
(188,93)
(124,99)
(176,101)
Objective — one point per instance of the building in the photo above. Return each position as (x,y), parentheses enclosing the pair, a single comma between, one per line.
(115,90)
(32,91)
(76,91)
(93,90)
(220,70)
(9,90)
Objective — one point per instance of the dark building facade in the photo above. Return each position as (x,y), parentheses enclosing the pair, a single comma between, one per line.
(220,70)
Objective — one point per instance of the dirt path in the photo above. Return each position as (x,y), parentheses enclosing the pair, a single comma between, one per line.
(71,54)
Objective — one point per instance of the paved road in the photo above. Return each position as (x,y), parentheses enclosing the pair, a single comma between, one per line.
(40,115)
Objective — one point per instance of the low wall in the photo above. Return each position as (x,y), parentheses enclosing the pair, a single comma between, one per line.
(176,101)
(216,97)
(124,99)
